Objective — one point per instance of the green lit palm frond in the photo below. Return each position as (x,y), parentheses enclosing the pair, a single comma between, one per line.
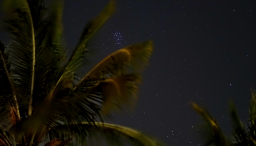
(38,75)
(52,81)
(75,109)
(114,134)
(56,30)
(86,104)
(50,47)
(23,23)
(36,35)
(78,57)
(61,109)
(213,131)
(36,49)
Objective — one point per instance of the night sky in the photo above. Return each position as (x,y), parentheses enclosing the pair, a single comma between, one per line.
(204,51)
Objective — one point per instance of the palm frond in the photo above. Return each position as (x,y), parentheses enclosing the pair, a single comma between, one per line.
(85,105)
(133,57)
(60,78)
(63,110)
(56,30)
(213,131)
(7,88)
(116,91)
(5,138)
(239,132)
(41,93)
(79,54)
(252,115)
(114,134)
(32,43)
(54,142)
(22,23)
(50,46)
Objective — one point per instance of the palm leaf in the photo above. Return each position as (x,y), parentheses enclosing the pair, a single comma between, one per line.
(60,78)
(56,29)
(215,135)
(252,115)
(114,134)
(51,99)
(7,88)
(239,132)
(76,59)
(6,138)
(85,106)
(22,24)
(133,57)
(78,56)
(49,46)
(63,110)
(117,91)
(31,28)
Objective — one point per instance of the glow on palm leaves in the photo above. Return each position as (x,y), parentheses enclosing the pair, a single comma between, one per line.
(39,93)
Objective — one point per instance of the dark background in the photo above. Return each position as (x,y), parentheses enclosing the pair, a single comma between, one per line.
(204,51)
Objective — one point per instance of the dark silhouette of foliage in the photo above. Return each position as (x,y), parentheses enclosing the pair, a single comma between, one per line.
(240,135)
(41,99)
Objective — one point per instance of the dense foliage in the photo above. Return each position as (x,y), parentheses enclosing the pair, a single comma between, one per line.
(43,100)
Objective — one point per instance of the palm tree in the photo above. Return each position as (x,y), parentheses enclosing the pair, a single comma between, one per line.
(43,99)
(241,136)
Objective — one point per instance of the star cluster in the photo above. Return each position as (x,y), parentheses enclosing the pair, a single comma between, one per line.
(119,41)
